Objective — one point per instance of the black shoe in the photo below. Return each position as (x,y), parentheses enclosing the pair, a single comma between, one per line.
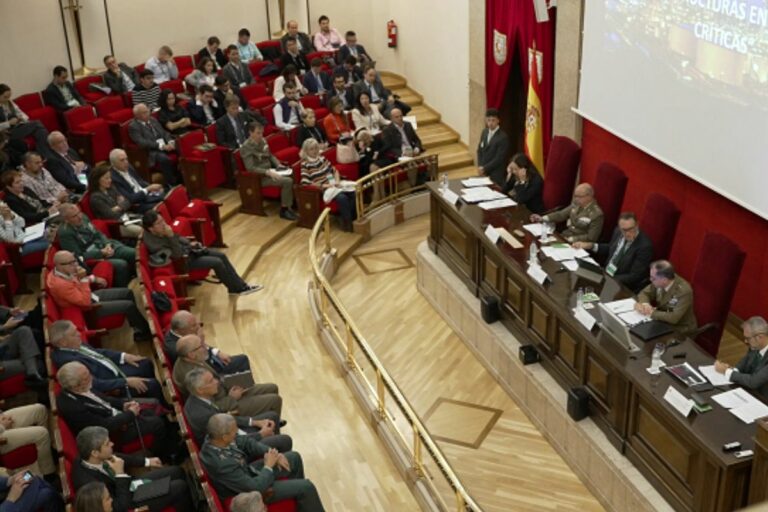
(288,214)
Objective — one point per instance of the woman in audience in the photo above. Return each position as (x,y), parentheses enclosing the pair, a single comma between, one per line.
(25,202)
(18,125)
(524,183)
(317,171)
(12,231)
(205,74)
(335,123)
(366,115)
(107,203)
(366,148)
(93,497)
(289,74)
(172,116)
(310,130)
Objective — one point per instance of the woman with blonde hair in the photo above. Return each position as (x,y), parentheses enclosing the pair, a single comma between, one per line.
(318,172)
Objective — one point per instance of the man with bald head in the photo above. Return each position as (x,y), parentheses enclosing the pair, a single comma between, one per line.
(304,44)
(70,286)
(183,323)
(146,132)
(669,298)
(65,164)
(584,218)
(77,235)
(143,196)
(252,401)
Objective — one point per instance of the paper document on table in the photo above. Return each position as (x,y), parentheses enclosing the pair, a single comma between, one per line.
(497,203)
(537,273)
(734,398)
(677,400)
(507,237)
(482,181)
(715,377)
(632,318)
(571,265)
(450,196)
(748,413)
(34,232)
(478,194)
(621,306)
(559,252)
(492,234)
(534,229)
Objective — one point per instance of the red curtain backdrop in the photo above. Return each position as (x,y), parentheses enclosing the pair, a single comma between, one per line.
(702,210)
(517,20)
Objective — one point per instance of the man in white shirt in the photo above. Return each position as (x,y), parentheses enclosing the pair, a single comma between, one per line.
(288,110)
(163,66)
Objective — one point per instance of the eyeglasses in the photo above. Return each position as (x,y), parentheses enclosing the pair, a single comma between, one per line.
(757,334)
(68,262)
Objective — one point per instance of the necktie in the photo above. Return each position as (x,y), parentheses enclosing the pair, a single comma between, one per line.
(754,361)
(152,128)
(108,470)
(320,87)
(103,360)
(238,132)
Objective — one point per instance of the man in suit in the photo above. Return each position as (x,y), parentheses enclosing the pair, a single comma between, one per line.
(399,138)
(223,89)
(669,298)
(751,371)
(341,91)
(97,462)
(60,93)
(205,110)
(303,42)
(351,48)
(20,495)
(349,70)
(213,51)
(292,56)
(232,126)
(126,421)
(200,407)
(69,287)
(120,78)
(112,371)
(627,255)
(65,164)
(255,400)
(381,96)
(238,73)
(316,80)
(493,149)
(146,132)
(143,196)
(183,323)
(225,456)
(584,218)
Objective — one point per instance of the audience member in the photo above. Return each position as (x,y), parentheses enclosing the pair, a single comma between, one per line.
(584,217)
(525,185)
(18,125)
(288,109)
(147,92)
(24,495)
(397,140)
(145,131)
(367,148)
(317,81)
(107,203)
(237,72)
(232,127)
(213,51)
(335,123)
(163,245)
(317,171)
(93,497)
(366,115)
(493,149)
(141,196)
(751,371)
(28,424)
(162,66)
(12,231)
(205,111)
(627,255)
(303,43)
(19,351)
(248,50)
(184,323)
(118,373)
(224,90)
(202,403)
(65,164)
(259,159)
(292,56)
(248,502)
(60,93)
(25,202)
(351,48)
(36,178)
(225,456)
(340,91)
(120,78)
(97,462)
(669,298)
(349,70)
(288,76)
(205,74)
(379,95)
(326,39)
(172,116)
(310,130)
(78,236)
(70,286)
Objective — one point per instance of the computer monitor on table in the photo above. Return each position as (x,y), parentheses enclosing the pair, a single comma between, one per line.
(616,328)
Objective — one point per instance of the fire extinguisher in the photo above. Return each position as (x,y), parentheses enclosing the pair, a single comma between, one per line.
(392,34)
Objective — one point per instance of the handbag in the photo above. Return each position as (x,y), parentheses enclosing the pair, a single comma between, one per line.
(161,301)
(347,153)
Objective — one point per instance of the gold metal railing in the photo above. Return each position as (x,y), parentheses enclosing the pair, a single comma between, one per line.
(349,339)
(394,181)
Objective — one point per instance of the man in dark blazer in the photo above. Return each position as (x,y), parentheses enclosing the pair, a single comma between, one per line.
(223,88)
(392,137)
(293,56)
(349,70)
(232,127)
(60,93)
(342,91)
(19,495)
(97,462)
(120,78)
(351,48)
(183,323)
(751,371)
(112,371)
(316,80)
(64,163)
(493,149)
(238,74)
(628,254)
(205,110)
(143,196)
(147,133)
(213,52)
(304,43)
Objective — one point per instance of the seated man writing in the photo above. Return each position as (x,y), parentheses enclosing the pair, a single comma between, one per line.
(751,371)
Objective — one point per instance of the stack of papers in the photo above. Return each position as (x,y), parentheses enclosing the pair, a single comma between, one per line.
(742,405)
(563,252)
(34,232)
(480,194)
(633,318)
(534,229)
(621,306)
(477,182)
(715,377)
(497,203)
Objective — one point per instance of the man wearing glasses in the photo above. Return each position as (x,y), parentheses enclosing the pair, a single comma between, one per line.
(751,371)
(669,298)
(584,217)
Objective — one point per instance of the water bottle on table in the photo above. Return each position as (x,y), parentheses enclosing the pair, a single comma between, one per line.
(658,351)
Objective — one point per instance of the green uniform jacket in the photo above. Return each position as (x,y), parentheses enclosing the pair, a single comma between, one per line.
(84,240)
(229,470)
(585,224)
(257,157)
(674,306)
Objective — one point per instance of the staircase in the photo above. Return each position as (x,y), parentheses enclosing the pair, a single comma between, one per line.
(437,137)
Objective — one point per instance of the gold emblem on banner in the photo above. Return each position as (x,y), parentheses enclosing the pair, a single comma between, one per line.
(499,47)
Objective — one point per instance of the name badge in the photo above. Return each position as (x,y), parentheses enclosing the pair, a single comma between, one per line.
(610,269)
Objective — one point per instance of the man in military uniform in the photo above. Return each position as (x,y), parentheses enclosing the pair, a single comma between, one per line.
(584,216)
(669,298)
(259,159)
(225,456)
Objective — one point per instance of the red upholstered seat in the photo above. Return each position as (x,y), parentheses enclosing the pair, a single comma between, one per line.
(714,282)
(659,222)
(114,109)
(610,186)
(31,101)
(346,171)
(281,147)
(560,173)
(177,86)
(205,212)
(93,132)
(270,49)
(83,87)
(257,67)
(253,91)
(68,448)
(185,64)
(32,105)
(12,386)
(24,455)
(211,160)
(315,102)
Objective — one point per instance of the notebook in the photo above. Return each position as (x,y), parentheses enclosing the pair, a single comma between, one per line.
(651,330)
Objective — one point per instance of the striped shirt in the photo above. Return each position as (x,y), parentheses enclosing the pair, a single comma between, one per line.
(148,97)
(315,172)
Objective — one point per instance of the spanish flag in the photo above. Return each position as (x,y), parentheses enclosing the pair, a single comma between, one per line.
(534,131)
